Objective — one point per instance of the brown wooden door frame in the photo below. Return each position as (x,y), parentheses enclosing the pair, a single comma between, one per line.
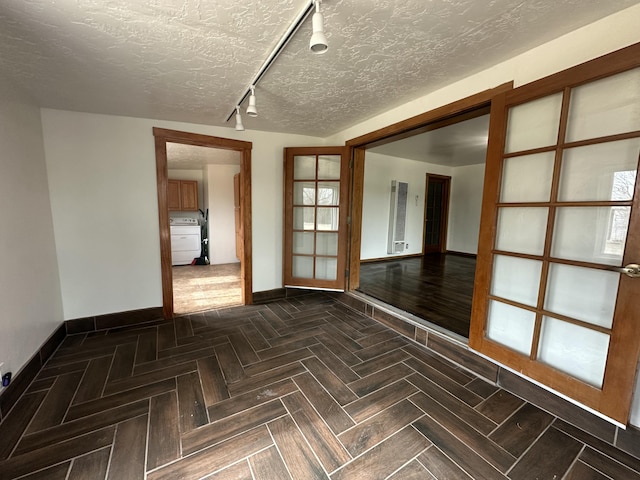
(162,136)
(465,109)
(444,212)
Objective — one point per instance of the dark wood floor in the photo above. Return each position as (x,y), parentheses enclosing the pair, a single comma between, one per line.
(437,288)
(301,389)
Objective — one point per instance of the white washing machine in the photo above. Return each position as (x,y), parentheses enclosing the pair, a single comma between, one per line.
(185,240)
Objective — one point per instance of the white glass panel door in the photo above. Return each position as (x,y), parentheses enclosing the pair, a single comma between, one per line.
(560,222)
(315,217)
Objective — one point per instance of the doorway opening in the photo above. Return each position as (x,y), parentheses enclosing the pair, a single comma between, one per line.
(204,201)
(441,156)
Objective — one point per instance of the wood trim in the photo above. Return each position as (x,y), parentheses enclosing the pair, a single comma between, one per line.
(449,111)
(162,176)
(462,254)
(488,215)
(187,138)
(161,137)
(357,195)
(444,212)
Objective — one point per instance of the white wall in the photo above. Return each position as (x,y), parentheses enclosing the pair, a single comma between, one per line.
(29,285)
(222,232)
(464,209)
(379,170)
(102,182)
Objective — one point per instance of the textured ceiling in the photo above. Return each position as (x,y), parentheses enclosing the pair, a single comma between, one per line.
(191,157)
(190,60)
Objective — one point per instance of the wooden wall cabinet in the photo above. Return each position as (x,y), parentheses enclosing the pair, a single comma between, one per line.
(182,195)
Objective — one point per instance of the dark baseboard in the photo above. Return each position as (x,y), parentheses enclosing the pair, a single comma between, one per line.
(22,379)
(114,320)
(574,419)
(395,257)
(276,294)
(462,254)
(267,296)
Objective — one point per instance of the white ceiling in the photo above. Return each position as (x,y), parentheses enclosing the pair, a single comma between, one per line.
(456,145)
(191,60)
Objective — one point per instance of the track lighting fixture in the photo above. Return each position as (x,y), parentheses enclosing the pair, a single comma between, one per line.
(252,111)
(239,125)
(318,43)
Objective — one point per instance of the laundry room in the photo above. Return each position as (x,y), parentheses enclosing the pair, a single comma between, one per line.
(202,201)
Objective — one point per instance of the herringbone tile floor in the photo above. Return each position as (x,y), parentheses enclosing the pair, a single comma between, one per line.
(302,389)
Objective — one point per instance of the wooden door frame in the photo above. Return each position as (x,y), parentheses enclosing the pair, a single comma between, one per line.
(162,136)
(452,113)
(444,210)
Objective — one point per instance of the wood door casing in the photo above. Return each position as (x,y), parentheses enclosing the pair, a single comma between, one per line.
(161,137)
(315,281)
(436,213)
(613,399)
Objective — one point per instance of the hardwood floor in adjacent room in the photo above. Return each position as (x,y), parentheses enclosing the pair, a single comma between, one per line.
(303,388)
(197,288)
(437,288)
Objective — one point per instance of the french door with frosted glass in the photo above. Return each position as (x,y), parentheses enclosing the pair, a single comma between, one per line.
(315,217)
(557,297)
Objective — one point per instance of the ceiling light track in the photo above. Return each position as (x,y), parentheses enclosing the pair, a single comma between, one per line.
(318,44)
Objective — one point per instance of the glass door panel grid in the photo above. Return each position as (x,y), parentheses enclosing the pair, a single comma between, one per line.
(551,200)
(316,200)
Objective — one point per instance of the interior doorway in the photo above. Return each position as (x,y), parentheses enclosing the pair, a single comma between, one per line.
(432,280)
(165,139)
(436,213)
(204,227)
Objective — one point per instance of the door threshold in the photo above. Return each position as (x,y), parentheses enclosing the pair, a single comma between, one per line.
(410,318)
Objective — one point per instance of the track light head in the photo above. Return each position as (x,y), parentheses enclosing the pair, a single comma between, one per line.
(252,110)
(239,125)
(318,43)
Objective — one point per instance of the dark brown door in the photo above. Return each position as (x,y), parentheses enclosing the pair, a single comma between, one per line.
(315,217)
(436,212)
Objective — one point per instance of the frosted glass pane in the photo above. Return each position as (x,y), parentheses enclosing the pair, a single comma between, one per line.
(606,171)
(605,107)
(326,268)
(304,193)
(522,229)
(329,193)
(591,234)
(327,218)
(303,242)
(578,351)
(534,124)
(329,167)
(327,243)
(582,293)
(302,267)
(511,326)
(304,167)
(527,178)
(516,279)
(303,218)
